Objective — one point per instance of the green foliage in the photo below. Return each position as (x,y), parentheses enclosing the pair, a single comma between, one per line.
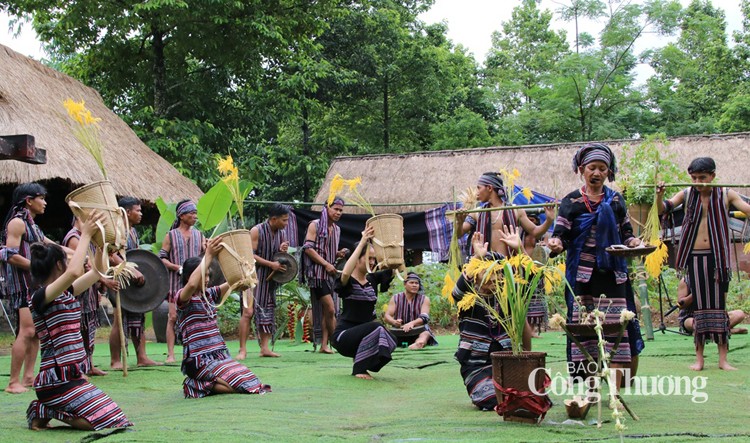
(228,316)
(167,216)
(640,165)
(214,206)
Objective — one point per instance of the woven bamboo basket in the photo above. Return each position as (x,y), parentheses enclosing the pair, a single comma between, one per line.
(101,196)
(388,241)
(513,371)
(236,259)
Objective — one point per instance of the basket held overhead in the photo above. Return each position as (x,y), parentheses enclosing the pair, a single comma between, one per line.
(101,196)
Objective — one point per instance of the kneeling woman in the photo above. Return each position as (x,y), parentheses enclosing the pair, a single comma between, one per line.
(61,388)
(206,363)
(356,334)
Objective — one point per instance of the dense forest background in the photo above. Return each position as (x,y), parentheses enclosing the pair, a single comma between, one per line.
(286,85)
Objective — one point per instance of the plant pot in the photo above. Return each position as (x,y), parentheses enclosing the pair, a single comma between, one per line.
(515,398)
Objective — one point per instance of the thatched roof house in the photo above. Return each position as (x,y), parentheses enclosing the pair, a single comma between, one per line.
(31,97)
(435,176)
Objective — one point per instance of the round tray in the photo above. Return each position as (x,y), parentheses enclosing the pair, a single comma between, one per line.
(631,252)
(608,328)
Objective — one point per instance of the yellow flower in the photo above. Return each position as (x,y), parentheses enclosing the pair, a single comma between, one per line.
(75,109)
(226,165)
(747,249)
(467,302)
(353,183)
(337,185)
(527,193)
(655,260)
(516,173)
(88,119)
(448,285)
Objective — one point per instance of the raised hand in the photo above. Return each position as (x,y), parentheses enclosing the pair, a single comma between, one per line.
(510,236)
(478,244)
(555,245)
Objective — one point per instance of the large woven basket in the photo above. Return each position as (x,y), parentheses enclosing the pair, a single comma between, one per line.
(101,196)
(388,241)
(513,371)
(236,259)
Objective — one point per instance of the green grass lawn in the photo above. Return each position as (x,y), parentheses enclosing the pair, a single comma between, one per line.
(419,396)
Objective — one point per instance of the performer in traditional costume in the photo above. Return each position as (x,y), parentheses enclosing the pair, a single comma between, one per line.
(181,242)
(480,334)
(89,300)
(411,309)
(134,323)
(703,254)
(268,239)
(207,364)
(591,219)
(320,251)
(19,232)
(687,312)
(492,193)
(357,335)
(62,389)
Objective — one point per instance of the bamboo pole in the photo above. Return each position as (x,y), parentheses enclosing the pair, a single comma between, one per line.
(123,348)
(502,208)
(696,185)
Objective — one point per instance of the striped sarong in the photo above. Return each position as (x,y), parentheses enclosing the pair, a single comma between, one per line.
(537,313)
(269,243)
(76,399)
(710,319)
(370,344)
(240,378)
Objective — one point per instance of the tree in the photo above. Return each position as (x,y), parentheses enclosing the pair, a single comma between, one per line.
(696,75)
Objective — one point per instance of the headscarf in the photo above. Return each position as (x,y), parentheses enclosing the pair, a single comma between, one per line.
(323,225)
(494,180)
(593,152)
(184,207)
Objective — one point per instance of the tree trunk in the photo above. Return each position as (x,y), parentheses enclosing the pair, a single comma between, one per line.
(386,117)
(305,152)
(160,75)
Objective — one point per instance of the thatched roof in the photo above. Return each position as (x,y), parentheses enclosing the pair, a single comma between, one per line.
(31,97)
(434,176)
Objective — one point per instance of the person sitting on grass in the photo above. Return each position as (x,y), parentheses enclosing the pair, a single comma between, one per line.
(357,335)
(62,389)
(207,365)
(408,311)
(685,302)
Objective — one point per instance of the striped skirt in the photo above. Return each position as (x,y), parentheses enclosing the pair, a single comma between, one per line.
(240,378)
(537,313)
(77,399)
(612,305)
(710,319)
(370,344)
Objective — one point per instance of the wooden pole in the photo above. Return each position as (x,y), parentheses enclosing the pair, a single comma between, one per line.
(502,208)
(696,185)
(123,348)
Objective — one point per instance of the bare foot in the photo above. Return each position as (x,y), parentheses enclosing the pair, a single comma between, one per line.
(739,331)
(241,355)
(170,359)
(146,362)
(96,372)
(726,366)
(269,354)
(697,366)
(325,351)
(117,365)
(364,376)
(15,388)
(28,382)
(416,345)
